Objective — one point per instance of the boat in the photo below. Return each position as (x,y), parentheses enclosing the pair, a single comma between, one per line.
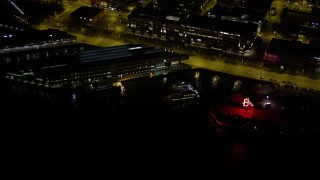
(183,95)
(238,113)
(181,92)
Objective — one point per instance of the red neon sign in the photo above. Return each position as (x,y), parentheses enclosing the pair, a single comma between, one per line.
(246,102)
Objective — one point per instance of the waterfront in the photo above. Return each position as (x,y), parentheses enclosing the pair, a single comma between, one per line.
(144,131)
(56,131)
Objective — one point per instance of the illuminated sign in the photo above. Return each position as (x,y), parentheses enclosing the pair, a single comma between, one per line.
(246,102)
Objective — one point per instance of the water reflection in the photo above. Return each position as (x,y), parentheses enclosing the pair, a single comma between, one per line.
(215,80)
(145,118)
(238,153)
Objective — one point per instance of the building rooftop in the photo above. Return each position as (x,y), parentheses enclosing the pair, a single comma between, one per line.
(277,46)
(122,53)
(31,37)
(153,14)
(86,12)
(258,5)
(289,52)
(247,29)
(243,14)
(177,6)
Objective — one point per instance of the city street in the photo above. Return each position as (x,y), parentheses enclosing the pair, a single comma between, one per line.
(255,73)
(221,66)
(215,64)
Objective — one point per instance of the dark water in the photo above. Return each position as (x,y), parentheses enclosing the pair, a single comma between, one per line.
(144,133)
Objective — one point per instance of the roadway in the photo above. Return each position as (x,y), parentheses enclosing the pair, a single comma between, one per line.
(197,61)
(219,65)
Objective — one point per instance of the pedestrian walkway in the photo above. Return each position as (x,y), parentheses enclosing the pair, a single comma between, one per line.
(297,82)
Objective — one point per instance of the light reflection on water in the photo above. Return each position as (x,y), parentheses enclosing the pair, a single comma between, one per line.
(144,120)
(238,152)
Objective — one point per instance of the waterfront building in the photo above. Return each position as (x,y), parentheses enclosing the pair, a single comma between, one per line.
(193,30)
(245,11)
(17,40)
(294,55)
(101,67)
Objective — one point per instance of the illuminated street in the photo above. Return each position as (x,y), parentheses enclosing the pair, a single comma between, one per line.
(244,71)
(216,64)
(113,21)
